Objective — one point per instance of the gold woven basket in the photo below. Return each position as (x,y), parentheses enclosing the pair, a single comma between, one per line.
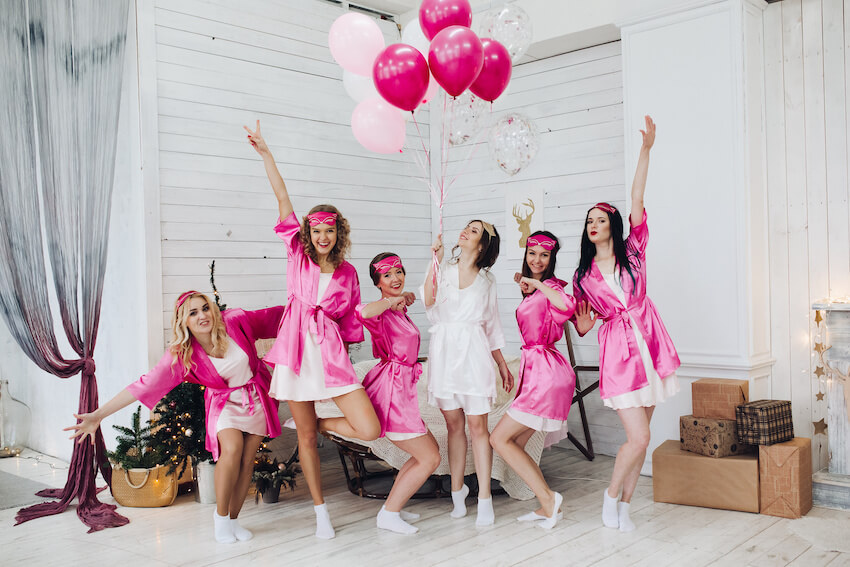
(144,488)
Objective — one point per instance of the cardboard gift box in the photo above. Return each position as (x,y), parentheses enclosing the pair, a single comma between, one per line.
(785,476)
(764,422)
(710,437)
(682,477)
(717,398)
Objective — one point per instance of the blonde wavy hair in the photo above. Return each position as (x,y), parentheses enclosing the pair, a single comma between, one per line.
(343,233)
(181,341)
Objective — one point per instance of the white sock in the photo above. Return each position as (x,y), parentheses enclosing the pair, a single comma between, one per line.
(609,511)
(241,533)
(626,524)
(392,521)
(550,522)
(459,500)
(486,516)
(408,516)
(223,528)
(324,528)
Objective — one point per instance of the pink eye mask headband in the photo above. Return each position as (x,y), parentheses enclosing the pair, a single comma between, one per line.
(605,207)
(540,240)
(322,218)
(182,299)
(386,264)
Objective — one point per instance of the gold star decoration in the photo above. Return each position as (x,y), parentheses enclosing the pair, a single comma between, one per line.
(819,396)
(819,348)
(818,317)
(819,371)
(820,427)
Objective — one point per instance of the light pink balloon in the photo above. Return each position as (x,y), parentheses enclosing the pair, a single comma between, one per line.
(496,72)
(433,87)
(401,75)
(437,15)
(355,40)
(455,58)
(378,126)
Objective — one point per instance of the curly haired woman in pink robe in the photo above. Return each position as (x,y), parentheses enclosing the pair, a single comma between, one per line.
(637,359)
(311,351)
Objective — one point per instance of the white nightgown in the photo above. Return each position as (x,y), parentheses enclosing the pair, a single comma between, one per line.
(236,371)
(465,329)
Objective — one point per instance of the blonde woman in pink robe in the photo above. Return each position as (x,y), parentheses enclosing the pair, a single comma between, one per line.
(311,351)
(637,359)
(216,351)
(546,378)
(391,385)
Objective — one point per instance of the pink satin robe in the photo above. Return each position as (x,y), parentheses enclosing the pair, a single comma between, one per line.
(244,327)
(334,320)
(620,366)
(391,384)
(546,378)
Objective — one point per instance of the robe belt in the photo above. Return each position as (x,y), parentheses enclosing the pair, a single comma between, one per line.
(317,318)
(539,347)
(417,367)
(625,321)
(248,391)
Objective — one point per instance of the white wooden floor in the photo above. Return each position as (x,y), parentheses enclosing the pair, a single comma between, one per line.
(182,534)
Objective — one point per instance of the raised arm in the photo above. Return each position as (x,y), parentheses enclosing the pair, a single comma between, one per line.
(436,248)
(89,422)
(639,183)
(283,202)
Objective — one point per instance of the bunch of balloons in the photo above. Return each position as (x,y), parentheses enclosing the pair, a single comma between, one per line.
(437,49)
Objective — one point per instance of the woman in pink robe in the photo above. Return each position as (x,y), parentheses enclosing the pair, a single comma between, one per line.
(239,411)
(637,359)
(391,385)
(311,351)
(546,378)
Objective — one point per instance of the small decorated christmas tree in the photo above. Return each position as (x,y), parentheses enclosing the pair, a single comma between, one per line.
(179,430)
(135,449)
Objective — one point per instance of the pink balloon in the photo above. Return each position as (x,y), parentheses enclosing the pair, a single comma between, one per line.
(378,126)
(355,40)
(456,58)
(437,15)
(496,72)
(433,86)
(401,75)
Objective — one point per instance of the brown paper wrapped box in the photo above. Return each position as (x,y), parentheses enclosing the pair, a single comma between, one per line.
(717,397)
(681,477)
(710,437)
(785,475)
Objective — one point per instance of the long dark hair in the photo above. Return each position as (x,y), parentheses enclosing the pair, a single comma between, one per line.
(489,247)
(550,269)
(625,257)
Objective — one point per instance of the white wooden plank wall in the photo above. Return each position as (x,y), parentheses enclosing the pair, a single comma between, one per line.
(576,101)
(807,95)
(222,64)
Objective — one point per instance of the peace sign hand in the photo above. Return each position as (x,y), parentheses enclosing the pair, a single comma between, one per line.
(257,141)
(648,134)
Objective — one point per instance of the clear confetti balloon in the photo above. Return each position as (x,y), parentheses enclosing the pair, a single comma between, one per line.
(510,26)
(469,115)
(513,142)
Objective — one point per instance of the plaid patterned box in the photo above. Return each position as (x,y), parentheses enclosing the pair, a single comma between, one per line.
(717,398)
(710,437)
(765,422)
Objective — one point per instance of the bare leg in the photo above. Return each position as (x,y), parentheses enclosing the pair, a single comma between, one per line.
(424,460)
(304,414)
(360,421)
(505,439)
(227,468)
(457,445)
(482,453)
(633,451)
(250,445)
(630,482)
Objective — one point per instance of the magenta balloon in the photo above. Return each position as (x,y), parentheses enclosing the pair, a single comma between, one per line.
(437,15)
(495,73)
(455,58)
(378,126)
(401,75)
